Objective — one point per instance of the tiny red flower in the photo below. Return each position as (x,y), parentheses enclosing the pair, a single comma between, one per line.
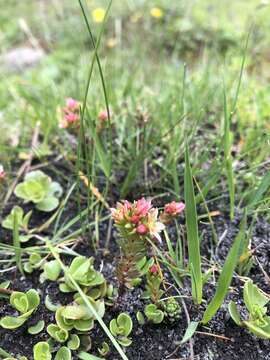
(2,173)
(142,229)
(153,269)
(174,208)
(103,115)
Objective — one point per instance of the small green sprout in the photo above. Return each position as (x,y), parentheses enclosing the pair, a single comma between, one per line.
(42,351)
(104,350)
(140,318)
(25,303)
(38,188)
(22,219)
(121,327)
(57,333)
(255,301)
(154,314)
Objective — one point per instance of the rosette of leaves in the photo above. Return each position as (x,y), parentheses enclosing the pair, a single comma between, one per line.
(22,221)
(78,316)
(255,300)
(172,309)
(121,328)
(153,313)
(25,304)
(83,272)
(57,333)
(39,188)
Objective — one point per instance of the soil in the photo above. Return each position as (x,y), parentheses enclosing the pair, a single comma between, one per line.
(221,339)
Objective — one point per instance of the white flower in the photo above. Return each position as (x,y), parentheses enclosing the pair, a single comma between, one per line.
(154,226)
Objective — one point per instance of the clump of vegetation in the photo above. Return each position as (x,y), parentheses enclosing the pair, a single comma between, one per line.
(76,140)
(255,301)
(38,188)
(25,304)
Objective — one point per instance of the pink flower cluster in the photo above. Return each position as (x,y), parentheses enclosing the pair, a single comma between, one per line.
(71,114)
(103,116)
(2,173)
(138,218)
(171,211)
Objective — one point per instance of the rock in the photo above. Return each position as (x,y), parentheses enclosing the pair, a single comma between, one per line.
(20,58)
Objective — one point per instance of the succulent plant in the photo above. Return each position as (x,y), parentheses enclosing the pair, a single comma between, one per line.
(23,220)
(25,304)
(83,272)
(136,222)
(172,309)
(78,316)
(38,188)
(255,301)
(104,349)
(154,280)
(121,327)
(17,214)
(34,262)
(153,313)
(57,333)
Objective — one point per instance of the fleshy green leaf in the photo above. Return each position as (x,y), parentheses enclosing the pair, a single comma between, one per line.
(63,354)
(52,270)
(234,313)
(37,328)
(12,322)
(42,351)
(226,275)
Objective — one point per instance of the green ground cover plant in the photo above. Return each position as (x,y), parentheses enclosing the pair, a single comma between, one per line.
(134,179)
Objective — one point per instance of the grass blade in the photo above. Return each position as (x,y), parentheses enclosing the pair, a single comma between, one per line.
(194,256)
(226,275)
(192,327)
(263,187)
(17,243)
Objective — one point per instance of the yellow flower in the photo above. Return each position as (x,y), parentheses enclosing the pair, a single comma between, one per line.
(98,15)
(156,12)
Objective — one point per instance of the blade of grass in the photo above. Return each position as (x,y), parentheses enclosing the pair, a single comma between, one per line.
(17,243)
(87,302)
(228,135)
(96,57)
(226,275)
(263,187)
(194,256)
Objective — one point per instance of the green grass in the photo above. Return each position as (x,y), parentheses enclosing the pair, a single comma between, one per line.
(179,79)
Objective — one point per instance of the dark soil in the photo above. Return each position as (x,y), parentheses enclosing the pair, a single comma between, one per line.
(221,339)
